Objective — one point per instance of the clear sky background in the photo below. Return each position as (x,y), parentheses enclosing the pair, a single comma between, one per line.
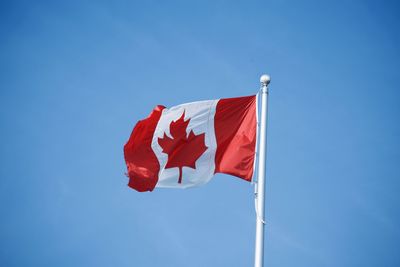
(75,76)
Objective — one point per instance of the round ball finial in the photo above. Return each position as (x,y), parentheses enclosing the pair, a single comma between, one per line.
(265,79)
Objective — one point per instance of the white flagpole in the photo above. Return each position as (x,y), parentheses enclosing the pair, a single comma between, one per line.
(260,189)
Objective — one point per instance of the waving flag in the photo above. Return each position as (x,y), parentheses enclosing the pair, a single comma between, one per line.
(185,145)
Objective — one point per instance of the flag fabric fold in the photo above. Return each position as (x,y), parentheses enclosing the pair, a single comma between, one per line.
(185,145)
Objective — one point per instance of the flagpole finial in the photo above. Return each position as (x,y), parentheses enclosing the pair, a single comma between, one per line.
(265,79)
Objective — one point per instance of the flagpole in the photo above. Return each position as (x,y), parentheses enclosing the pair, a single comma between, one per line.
(260,186)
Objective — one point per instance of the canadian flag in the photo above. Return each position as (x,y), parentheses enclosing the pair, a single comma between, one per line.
(185,145)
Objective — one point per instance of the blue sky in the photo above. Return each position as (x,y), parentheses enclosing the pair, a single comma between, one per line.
(75,76)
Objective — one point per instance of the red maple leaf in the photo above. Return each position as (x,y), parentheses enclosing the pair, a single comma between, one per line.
(183,150)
